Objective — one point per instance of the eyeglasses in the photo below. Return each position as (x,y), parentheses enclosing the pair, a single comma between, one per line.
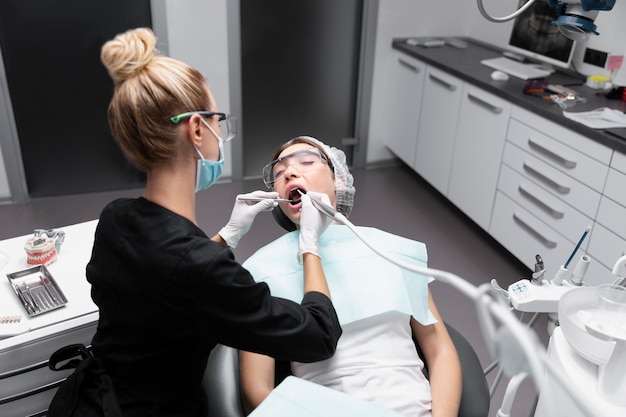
(226,122)
(303,161)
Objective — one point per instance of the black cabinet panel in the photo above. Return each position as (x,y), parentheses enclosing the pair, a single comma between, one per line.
(300,63)
(60,91)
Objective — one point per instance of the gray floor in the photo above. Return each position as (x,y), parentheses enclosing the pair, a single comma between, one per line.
(392,198)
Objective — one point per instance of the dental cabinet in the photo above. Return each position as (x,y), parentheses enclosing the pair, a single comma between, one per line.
(481,126)
(35,338)
(608,239)
(549,189)
(407,94)
(441,101)
(511,162)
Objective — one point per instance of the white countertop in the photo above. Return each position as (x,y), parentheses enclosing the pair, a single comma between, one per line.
(69,273)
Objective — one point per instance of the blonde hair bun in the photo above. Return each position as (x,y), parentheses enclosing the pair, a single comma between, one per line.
(129,53)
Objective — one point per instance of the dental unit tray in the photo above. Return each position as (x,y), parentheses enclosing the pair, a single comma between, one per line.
(37,290)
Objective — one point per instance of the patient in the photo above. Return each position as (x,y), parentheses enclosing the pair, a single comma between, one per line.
(384,310)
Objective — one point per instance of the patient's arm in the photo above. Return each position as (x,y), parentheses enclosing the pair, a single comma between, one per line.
(444,368)
(257,378)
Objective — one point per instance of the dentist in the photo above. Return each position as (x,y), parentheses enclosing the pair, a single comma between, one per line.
(166,292)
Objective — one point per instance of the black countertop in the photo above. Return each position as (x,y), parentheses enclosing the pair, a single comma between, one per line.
(465,64)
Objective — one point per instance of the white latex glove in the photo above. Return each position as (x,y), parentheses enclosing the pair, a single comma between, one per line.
(312,225)
(243,215)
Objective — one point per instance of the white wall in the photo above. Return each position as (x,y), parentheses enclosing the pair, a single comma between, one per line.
(404,18)
(490,32)
(5,191)
(197,35)
(612,29)
(6,133)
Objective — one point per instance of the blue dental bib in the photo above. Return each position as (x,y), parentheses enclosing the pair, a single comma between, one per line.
(362,284)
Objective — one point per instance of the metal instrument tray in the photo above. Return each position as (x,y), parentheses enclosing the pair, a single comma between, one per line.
(37,290)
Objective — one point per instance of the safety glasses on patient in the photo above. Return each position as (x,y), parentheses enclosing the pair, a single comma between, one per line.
(303,161)
(226,122)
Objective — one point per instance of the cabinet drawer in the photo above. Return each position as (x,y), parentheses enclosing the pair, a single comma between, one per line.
(543,205)
(560,185)
(525,236)
(606,246)
(615,187)
(565,136)
(28,354)
(612,216)
(619,161)
(568,160)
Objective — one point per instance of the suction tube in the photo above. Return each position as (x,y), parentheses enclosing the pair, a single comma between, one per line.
(526,345)
(485,304)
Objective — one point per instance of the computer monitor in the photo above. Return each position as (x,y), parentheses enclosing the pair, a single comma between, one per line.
(534,36)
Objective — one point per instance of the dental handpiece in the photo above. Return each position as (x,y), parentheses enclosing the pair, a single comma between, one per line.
(326,209)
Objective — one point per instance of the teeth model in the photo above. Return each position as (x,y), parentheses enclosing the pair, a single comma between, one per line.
(40,251)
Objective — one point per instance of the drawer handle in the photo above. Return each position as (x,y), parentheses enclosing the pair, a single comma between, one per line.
(552,154)
(409,65)
(539,202)
(547,242)
(562,189)
(446,84)
(31,392)
(485,104)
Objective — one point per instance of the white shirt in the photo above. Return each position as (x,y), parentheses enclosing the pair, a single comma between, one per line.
(376,360)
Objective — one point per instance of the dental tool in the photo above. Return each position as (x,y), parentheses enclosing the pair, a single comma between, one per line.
(580,270)
(587,230)
(258,199)
(537,277)
(327,209)
(562,272)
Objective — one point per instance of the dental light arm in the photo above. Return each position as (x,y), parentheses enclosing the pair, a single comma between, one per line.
(574,17)
(503,19)
(514,345)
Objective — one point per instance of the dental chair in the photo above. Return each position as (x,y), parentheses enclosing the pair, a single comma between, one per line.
(221,380)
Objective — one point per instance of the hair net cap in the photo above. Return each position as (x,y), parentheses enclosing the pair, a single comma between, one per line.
(344,182)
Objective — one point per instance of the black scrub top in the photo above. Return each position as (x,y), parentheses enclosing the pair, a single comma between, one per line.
(167,295)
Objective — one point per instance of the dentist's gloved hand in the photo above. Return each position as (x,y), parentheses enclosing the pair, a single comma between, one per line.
(243,215)
(312,225)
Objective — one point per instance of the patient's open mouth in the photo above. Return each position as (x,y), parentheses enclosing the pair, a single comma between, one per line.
(295,196)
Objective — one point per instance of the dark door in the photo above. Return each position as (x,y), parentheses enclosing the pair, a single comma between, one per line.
(300,62)
(60,91)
